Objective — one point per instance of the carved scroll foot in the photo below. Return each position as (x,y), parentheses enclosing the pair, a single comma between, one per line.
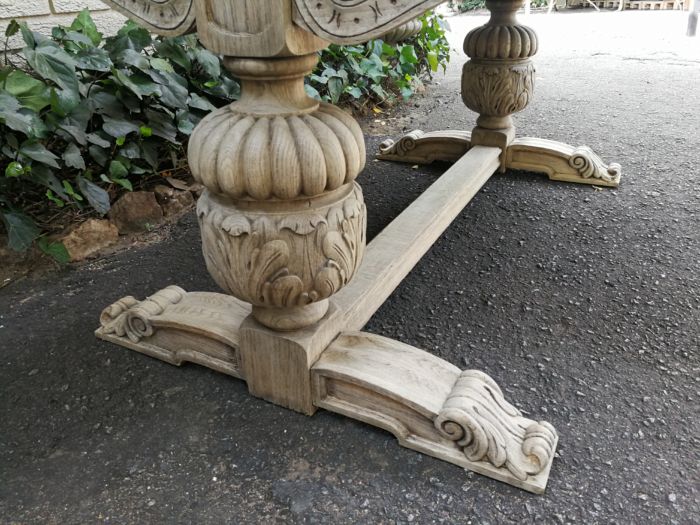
(418,147)
(433,407)
(176,327)
(562,162)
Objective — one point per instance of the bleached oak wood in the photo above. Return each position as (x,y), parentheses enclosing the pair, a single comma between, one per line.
(356,21)
(419,147)
(498,81)
(562,162)
(395,251)
(435,408)
(283,224)
(283,230)
(175,326)
(165,17)
(559,161)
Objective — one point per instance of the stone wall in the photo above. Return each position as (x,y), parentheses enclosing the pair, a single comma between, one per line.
(42,15)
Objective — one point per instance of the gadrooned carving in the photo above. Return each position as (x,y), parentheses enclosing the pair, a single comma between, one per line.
(263,157)
(590,165)
(488,428)
(501,42)
(497,90)
(131,318)
(283,260)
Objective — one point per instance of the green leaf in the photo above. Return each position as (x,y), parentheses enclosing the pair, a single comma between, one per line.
(408,54)
(96,196)
(131,57)
(137,83)
(53,63)
(28,36)
(162,125)
(124,183)
(84,24)
(73,158)
(31,93)
(93,59)
(130,36)
(117,169)
(12,28)
(118,127)
(99,155)
(161,64)
(21,230)
(42,174)
(64,101)
(145,131)
(38,152)
(432,57)
(19,119)
(335,88)
(209,61)
(355,92)
(96,139)
(169,48)
(14,169)
(195,101)
(56,250)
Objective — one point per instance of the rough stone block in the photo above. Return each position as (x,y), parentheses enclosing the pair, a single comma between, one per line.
(137,211)
(90,237)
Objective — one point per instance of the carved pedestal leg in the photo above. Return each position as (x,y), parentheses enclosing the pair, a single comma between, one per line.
(498,81)
(283,223)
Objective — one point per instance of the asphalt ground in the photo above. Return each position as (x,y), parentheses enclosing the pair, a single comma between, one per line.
(583,304)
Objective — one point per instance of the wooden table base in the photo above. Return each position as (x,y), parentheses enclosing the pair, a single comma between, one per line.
(427,403)
(560,161)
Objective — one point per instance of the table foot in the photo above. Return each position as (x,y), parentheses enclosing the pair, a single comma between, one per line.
(434,407)
(562,162)
(176,326)
(418,147)
(559,161)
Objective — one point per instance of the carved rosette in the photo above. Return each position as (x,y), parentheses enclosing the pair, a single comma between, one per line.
(488,428)
(499,79)
(286,264)
(283,223)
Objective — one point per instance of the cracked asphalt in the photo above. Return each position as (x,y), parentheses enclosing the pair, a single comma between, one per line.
(583,304)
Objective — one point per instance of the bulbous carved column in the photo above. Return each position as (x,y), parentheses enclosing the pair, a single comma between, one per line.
(499,79)
(282,220)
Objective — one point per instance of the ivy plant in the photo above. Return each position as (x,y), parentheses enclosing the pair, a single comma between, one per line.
(377,72)
(83,117)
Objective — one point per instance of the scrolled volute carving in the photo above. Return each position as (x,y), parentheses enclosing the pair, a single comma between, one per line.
(478,418)
(501,42)
(589,165)
(131,318)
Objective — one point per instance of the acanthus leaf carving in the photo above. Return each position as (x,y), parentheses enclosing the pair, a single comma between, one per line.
(249,254)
